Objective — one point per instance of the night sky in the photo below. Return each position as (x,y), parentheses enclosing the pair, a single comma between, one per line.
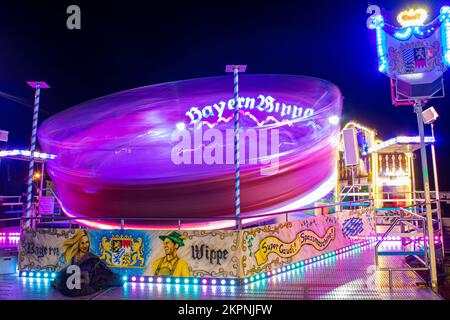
(128,44)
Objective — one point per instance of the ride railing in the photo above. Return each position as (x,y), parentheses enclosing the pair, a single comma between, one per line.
(353,194)
(10,201)
(412,197)
(413,232)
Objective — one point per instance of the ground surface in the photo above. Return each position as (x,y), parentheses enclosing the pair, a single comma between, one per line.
(348,276)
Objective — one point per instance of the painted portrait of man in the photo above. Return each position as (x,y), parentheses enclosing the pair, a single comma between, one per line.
(170,264)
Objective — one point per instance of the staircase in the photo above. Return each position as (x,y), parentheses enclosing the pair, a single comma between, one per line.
(357,195)
(446,227)
(409,228)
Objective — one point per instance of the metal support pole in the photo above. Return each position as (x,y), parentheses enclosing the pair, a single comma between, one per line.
(436,188)
(413,177)
(237,179)
(423,154)
(32,150)
(37,86)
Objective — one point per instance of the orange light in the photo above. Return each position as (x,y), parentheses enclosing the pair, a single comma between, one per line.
(412,17)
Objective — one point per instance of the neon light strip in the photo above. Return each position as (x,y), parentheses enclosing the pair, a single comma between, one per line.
(26,153)
(445,33)
(381,44)
(167,280)
(403,34)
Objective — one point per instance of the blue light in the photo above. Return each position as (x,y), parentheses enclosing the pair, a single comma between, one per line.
(38,274)
(24,274)
(53,275)
(168,280)
(124,278)
(232,282)
(252,278)
(245,280)
(31,274)
(445,37)
(46,275)
(186,281)
(381,47)
(195,281)
(222,282)
(177,280)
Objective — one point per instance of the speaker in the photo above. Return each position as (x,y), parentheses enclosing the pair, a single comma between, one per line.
(429,115)
(351,150)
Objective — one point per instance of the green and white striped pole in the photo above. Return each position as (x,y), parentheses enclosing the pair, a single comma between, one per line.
(37,86)
(237,179)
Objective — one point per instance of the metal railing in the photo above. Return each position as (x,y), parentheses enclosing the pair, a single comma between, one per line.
(413,227)
(178,222)
(10,201)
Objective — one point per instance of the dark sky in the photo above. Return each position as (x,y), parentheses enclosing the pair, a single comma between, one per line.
(127,44)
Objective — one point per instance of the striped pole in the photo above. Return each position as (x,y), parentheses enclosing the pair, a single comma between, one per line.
(37,86)
(237,179)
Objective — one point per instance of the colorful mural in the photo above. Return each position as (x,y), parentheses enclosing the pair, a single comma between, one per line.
(272,246)
(219,253)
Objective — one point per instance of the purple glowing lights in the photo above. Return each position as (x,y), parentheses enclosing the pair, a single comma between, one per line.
(113,154)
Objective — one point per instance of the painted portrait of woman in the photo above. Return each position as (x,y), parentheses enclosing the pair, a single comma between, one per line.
(94,274)
(75,249)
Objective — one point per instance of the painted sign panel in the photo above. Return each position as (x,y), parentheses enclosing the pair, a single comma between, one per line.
(164,253)
(273,246)
(219,253)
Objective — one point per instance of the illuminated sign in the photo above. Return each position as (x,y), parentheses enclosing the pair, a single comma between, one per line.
(412,17)
(262,103)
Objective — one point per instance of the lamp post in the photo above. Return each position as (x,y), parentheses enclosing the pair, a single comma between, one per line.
(38,85)
(237,179)
(430,115)
(426,183)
